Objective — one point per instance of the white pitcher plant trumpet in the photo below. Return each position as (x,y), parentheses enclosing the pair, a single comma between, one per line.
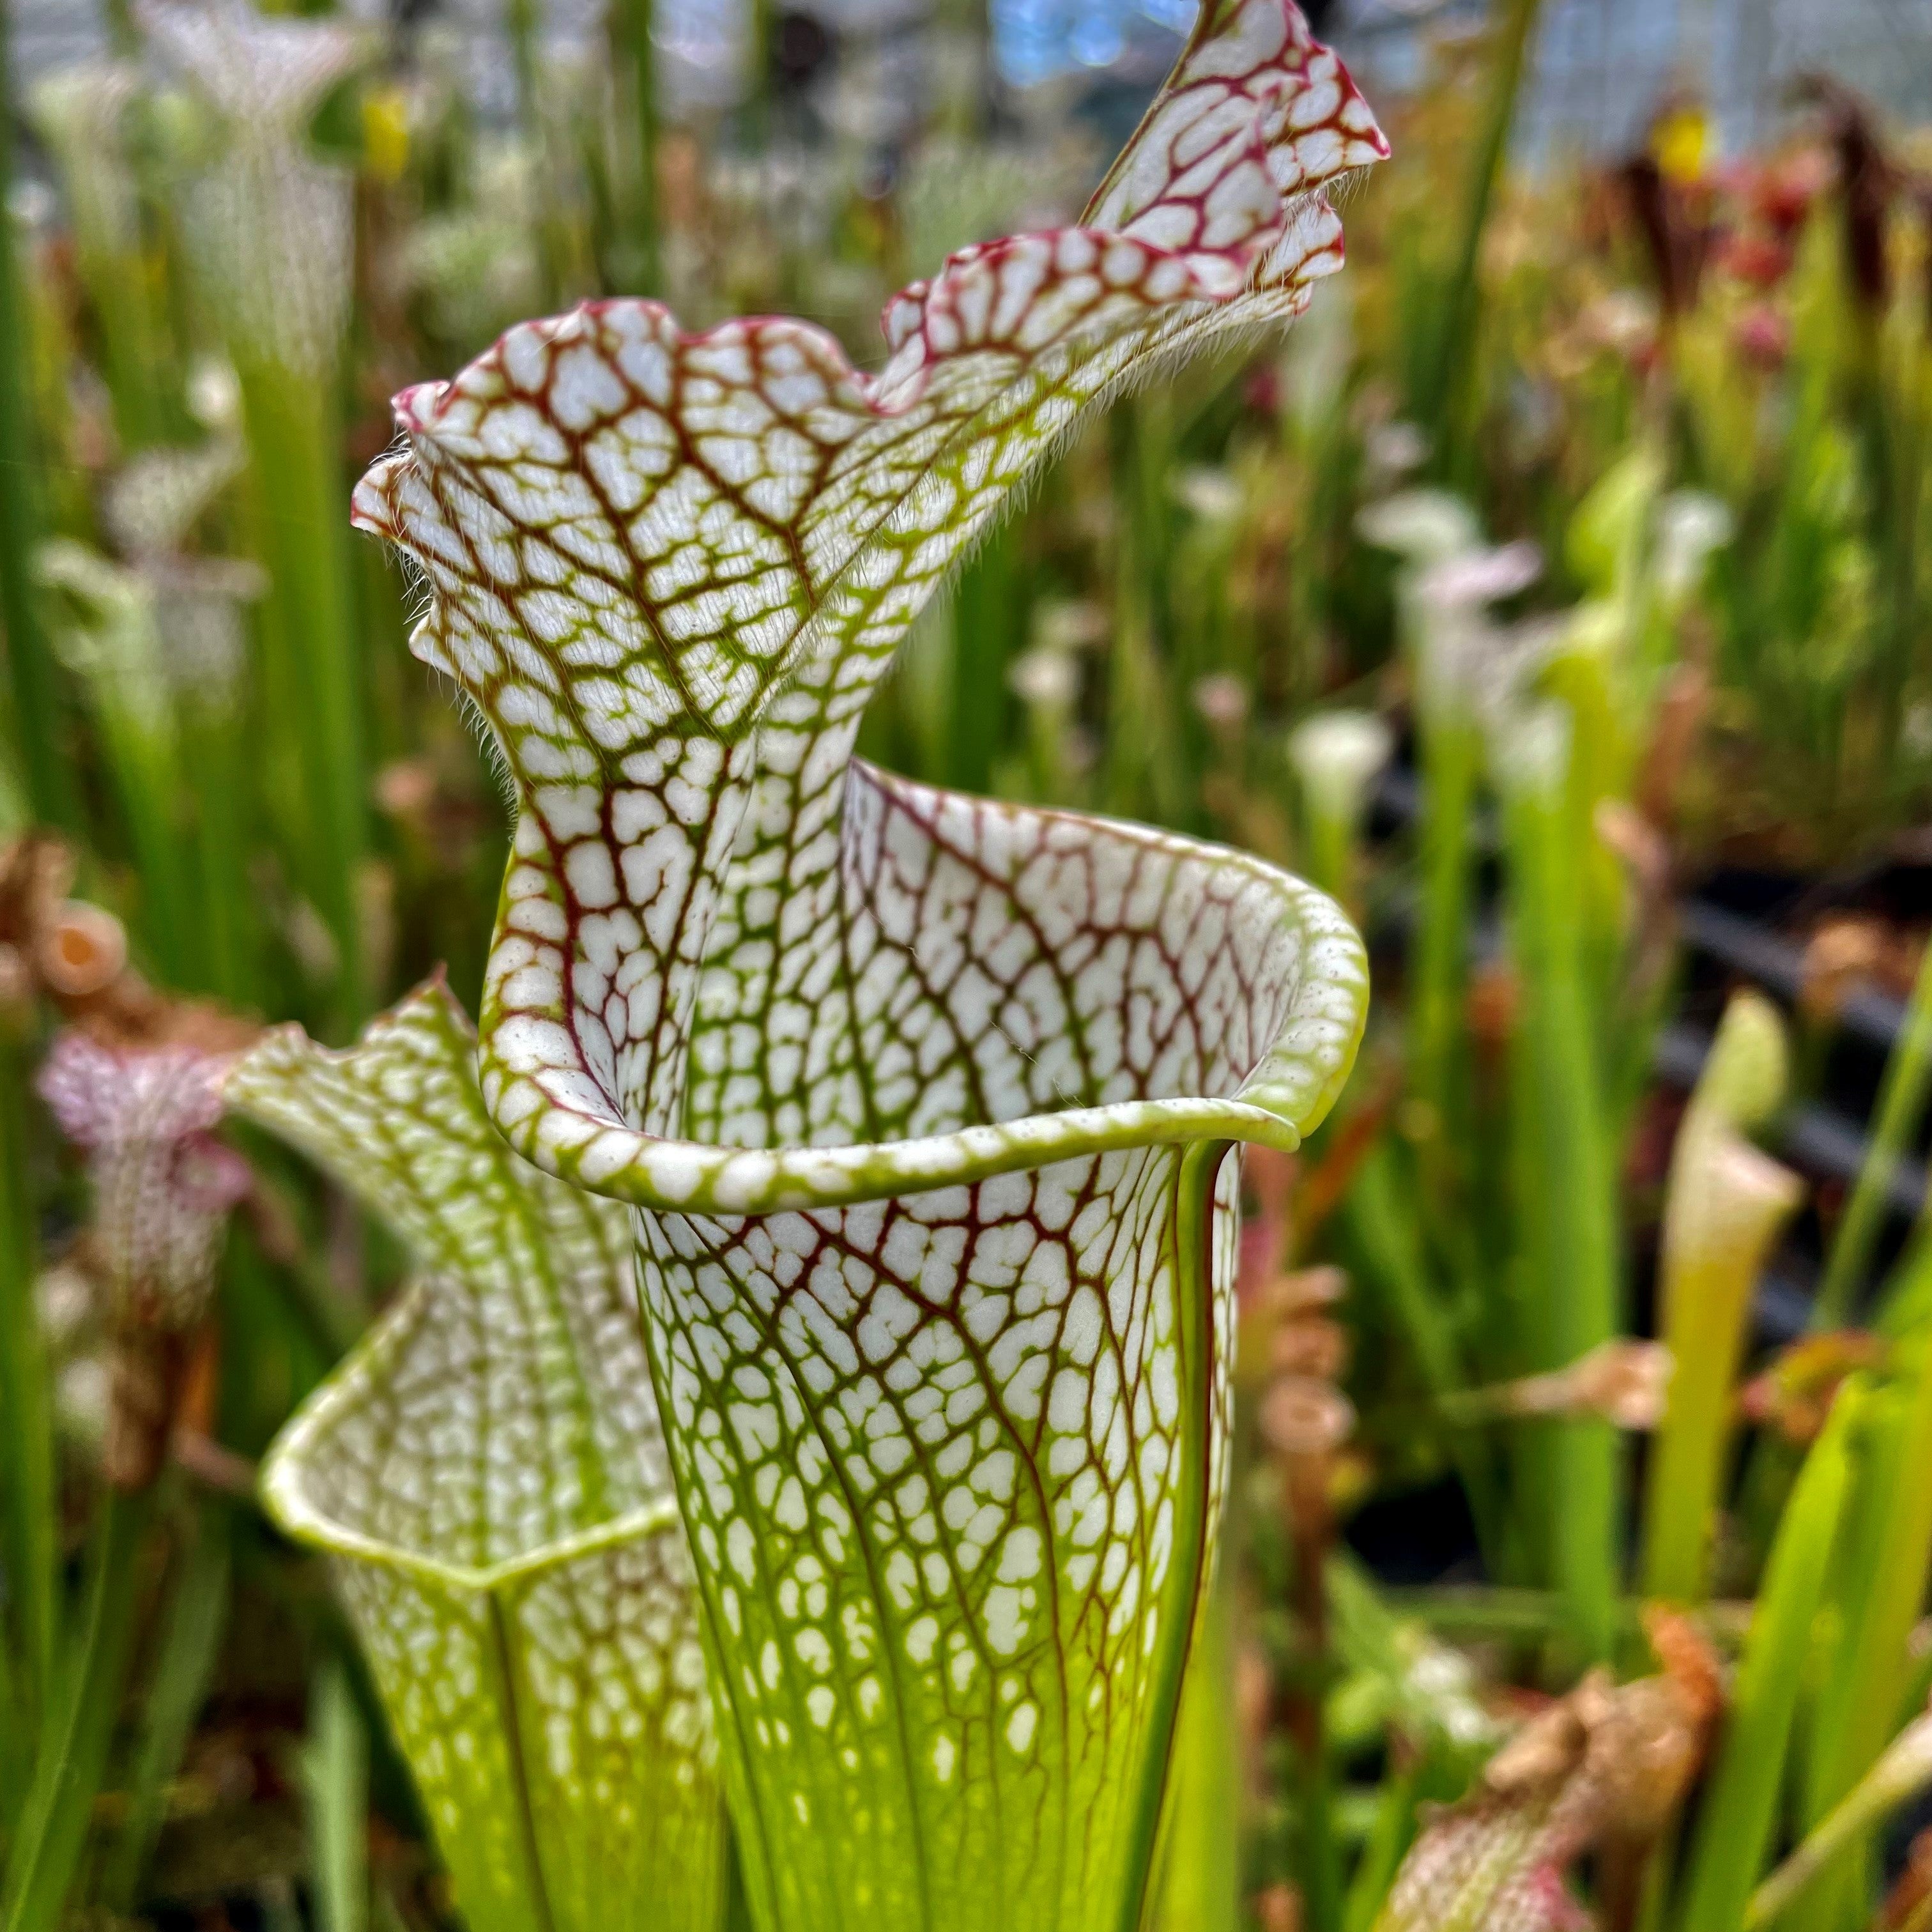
(921,1103)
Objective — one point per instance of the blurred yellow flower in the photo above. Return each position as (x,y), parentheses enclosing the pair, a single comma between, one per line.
(1680,142)
(385,132)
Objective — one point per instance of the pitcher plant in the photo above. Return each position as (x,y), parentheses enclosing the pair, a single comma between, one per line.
(922,1103)
(487,1478)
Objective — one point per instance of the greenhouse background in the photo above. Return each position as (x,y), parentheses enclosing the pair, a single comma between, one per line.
(1599,66)
(1114,1115)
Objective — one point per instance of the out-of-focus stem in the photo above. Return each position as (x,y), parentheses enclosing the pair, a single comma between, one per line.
(1878,1590)
(27,1516)
(762,55)
(1903,1772)
(1313,1532)
(111,638)
(961,109)
(336,1771)
(142,752)
(1383,1231)
(524,23)
(35,685)
(214,748)
(1456,325)
(1623,1380)
(1901,1105)
(151,783)
(633,18)
(1460,1611)
(1567,1211)
(118,290)
(292,435)
(988,611)
(73,1757)
(1450,748)
(1583,676)
(1141,774)
(1740,1808)
(1389,1838)
(184,1663)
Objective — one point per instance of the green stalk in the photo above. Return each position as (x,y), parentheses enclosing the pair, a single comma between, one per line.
(1727,1203)
(1583,677)
(1328,852)
(1378,1215)
(16,1761)
(1475,1611)
(988,607)
(1142,773)
(1568,1213)
(1901,1107)
(1878,1594)
(184,1665)
(310,619)
(1889,417)
(1390,1837)
(28,1524)
(1450,349)
(1739,1813)
(335,1771)
(1320,1852)
(523,22)
(39,745)
(762,55)
(122,34)
(142,754)
(1903,1772)
(117,288)
(215,754)
(631,22)
(1451,751)
(960,112)
(1321,1872)
(148,776)
(59,496)
(73,1758)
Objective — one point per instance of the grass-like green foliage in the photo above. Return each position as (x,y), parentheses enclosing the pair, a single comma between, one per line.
(37,733)
(267,224)
(1895,1122)
(161,1185)
(1735,1828)
(1877,1588)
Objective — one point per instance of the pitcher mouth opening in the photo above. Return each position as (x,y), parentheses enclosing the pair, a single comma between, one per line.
(1306,998)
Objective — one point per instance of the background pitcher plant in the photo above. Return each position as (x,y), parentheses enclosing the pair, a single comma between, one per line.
(486,1474)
